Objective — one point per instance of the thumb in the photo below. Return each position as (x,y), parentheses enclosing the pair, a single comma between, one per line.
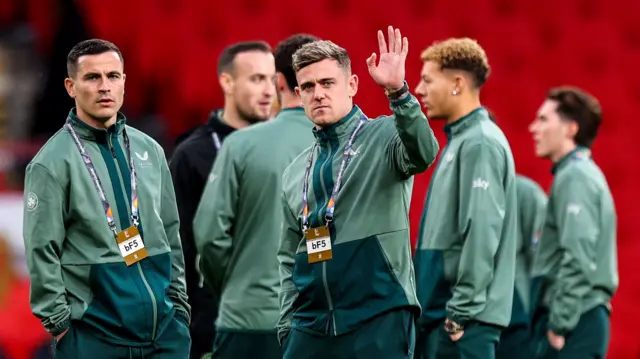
(371,61)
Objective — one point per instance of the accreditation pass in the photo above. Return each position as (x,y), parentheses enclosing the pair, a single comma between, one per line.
(318,244)
(131,246)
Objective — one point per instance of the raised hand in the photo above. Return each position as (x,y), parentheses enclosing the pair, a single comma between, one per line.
(389,73)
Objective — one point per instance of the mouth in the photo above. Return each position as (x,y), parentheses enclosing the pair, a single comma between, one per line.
(105,101)
(320,108)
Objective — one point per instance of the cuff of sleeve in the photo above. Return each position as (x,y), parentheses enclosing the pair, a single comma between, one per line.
(457,319)
(184,315)
(402,100)
(558,330)
(60,327)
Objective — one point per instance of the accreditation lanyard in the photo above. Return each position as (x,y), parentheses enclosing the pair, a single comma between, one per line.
(96,180)
(336,188)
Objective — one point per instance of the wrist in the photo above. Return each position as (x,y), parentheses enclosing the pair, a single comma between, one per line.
(396,93)
(452,327)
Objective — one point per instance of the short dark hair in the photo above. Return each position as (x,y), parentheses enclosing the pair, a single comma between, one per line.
(581,107)
(460,54)
(284,56)
(320,50)
(89,47)
(225,61)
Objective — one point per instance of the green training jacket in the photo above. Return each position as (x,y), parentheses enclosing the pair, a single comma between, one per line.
(466,251)
(77,271)
(532,205)
(239,220)
(576,267)
(371,270)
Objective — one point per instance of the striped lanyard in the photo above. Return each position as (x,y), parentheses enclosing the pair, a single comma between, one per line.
(336,188)
(98,184)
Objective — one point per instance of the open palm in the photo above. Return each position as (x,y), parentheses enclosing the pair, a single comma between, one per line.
(389,73)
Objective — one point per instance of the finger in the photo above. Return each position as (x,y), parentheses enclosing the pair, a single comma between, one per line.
(371,61)
(397,42)
(392,39)
(405,47)
(381,43)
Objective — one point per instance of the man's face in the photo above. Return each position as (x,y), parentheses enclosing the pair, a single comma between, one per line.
(98,86)
(253,89)
(326,91)
(551,134)
(435,91)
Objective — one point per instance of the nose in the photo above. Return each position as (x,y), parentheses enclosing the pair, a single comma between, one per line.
(532,127)
(318,93)
(418,90)
(104,85)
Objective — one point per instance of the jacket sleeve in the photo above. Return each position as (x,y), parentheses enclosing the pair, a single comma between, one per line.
(291,237)
(187,198)
(533,212)
(481,217)
(44,233)
(215,217)
(413,147)
(575,206)
(169,216)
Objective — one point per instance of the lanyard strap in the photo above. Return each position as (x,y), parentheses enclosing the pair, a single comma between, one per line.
(336,188)
(216,141)
(98,184)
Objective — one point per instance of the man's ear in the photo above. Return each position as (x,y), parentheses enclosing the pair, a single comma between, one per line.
(68,85)
(226,83)
(353,85)
(281,82)
(572,129)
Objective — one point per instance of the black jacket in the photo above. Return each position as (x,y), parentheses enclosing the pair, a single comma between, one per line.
(190,166)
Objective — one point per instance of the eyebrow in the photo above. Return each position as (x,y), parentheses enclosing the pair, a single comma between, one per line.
(307,83)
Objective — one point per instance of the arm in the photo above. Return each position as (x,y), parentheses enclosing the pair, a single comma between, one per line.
(577,218)
(187,198)
(215,217)
(414,147)
(533,213)
(289,242)
(44,233)
(171,221)
(481,217)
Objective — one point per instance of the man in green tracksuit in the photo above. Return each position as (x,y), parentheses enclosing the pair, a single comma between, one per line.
(532,202)
(465,259)
(575,268)
(345,258)
(239,220)
(101,227)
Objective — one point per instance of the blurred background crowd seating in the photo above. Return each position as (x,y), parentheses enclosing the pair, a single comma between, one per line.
(171,48)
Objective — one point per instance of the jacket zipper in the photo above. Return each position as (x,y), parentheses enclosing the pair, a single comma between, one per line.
(324,263)
(142,276)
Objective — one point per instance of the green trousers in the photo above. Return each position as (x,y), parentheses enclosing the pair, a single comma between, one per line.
(387,336)
(479,341)
(589,339)
(235,345)
(514,343)
(79,343)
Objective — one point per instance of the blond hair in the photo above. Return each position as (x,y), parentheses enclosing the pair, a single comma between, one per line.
(460,54)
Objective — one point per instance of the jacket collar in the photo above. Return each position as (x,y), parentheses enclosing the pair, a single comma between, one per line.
(87,132)
(216,124)
(464,123)
(579,153)
(340,129)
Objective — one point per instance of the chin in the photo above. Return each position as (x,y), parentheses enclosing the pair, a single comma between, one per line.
(323,121)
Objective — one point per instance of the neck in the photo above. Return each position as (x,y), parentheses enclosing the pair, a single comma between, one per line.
(464,109)
(84,117)
(565,150)
(289,100)
(232,117)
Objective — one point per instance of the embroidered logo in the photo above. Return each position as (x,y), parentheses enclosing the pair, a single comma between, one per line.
(32,202)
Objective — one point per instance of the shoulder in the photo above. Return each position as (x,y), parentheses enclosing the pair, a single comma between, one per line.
(578,173)
(49,154)
(527,187)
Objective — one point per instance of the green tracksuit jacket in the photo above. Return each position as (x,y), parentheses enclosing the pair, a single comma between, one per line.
(465,258)
(77,271)
(371,270)
(532,205)
(575,267)
(239,220)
